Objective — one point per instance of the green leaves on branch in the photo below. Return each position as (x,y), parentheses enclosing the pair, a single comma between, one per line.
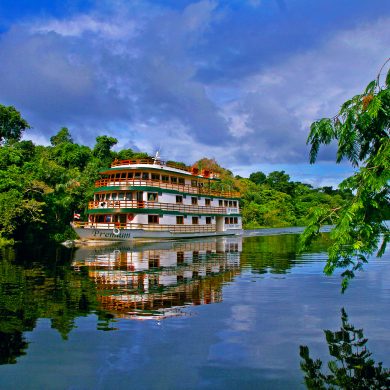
(12,124)
(361,129)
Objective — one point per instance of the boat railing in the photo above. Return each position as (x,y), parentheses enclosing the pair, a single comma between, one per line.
(149,227)
(134,204)
(107,182)
(156,162)
(150,161)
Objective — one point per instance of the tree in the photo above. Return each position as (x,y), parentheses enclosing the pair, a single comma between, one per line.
(361,129)
(280,181)
(102,149)
(63,136)
(11,124)
(258,177)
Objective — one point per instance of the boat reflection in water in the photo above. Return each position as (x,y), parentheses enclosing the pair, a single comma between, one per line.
(156,280)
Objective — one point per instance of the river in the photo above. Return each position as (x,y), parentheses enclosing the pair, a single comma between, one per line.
(221,313)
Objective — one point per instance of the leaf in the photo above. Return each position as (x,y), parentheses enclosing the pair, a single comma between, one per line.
(370,87)
(388,79)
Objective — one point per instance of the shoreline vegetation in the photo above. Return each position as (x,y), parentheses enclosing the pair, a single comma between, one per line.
(42,186)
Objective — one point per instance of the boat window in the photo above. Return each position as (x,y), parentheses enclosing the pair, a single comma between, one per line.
(137,175)
(179,199)
(153,219)
(195,220)
(114,196)
(129,196)
(194,183)
(173,179)
(234,203)
(208,220)
(145,176)
(154,260)
(180,257)
(130,175)
(230,203)
(181,181)
(226,203)
(121,196)
(235,220)
(194,200)
(107,218)
(117,176)
(165,178)
(227,220)
(220,202)
(152,196)
(123,175)
(179,220)
(155,176)
(207,202)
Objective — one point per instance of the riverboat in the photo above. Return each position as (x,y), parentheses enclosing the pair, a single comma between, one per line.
(152,199)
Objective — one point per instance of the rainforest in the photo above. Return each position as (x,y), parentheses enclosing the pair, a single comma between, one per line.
(41,187)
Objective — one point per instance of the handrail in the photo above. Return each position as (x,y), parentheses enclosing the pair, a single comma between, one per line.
(151,161)
(148,227)
(136,204)
(107,182)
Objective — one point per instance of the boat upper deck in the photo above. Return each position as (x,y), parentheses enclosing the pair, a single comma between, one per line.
(165,165)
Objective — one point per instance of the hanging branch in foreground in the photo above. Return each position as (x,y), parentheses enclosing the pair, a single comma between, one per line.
(361,129)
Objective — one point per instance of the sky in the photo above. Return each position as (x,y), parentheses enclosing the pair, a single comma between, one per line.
(238,81)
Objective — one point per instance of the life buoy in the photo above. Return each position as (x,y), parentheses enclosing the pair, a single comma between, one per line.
(116,231)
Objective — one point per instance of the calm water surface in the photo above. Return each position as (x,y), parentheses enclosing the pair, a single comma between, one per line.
(210,314)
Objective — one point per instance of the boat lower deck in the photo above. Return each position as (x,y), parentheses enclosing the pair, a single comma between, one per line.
(93,232)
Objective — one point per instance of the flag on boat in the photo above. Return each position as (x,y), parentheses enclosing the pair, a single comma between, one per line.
(76,216)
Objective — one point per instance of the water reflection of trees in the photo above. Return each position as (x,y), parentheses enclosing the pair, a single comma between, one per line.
(30,290)
(276,254)
(138,281)
(45,285)
(352,368)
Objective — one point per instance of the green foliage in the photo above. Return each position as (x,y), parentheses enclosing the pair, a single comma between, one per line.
(12,124)
(41,187)
(279,202)
(361,129)
(63,136)
(352,367)
(102,149)
(258,177)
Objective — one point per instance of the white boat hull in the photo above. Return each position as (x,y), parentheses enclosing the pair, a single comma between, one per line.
(130,234)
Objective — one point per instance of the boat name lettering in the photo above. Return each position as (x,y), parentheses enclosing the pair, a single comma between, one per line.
(98,233)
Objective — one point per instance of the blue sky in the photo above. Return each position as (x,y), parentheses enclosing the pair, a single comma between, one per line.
(239,81)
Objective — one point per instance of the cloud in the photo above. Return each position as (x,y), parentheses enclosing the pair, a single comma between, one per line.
(280,102)
(200,80)
(91,74)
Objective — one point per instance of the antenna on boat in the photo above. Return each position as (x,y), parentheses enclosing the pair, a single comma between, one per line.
(157,158)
